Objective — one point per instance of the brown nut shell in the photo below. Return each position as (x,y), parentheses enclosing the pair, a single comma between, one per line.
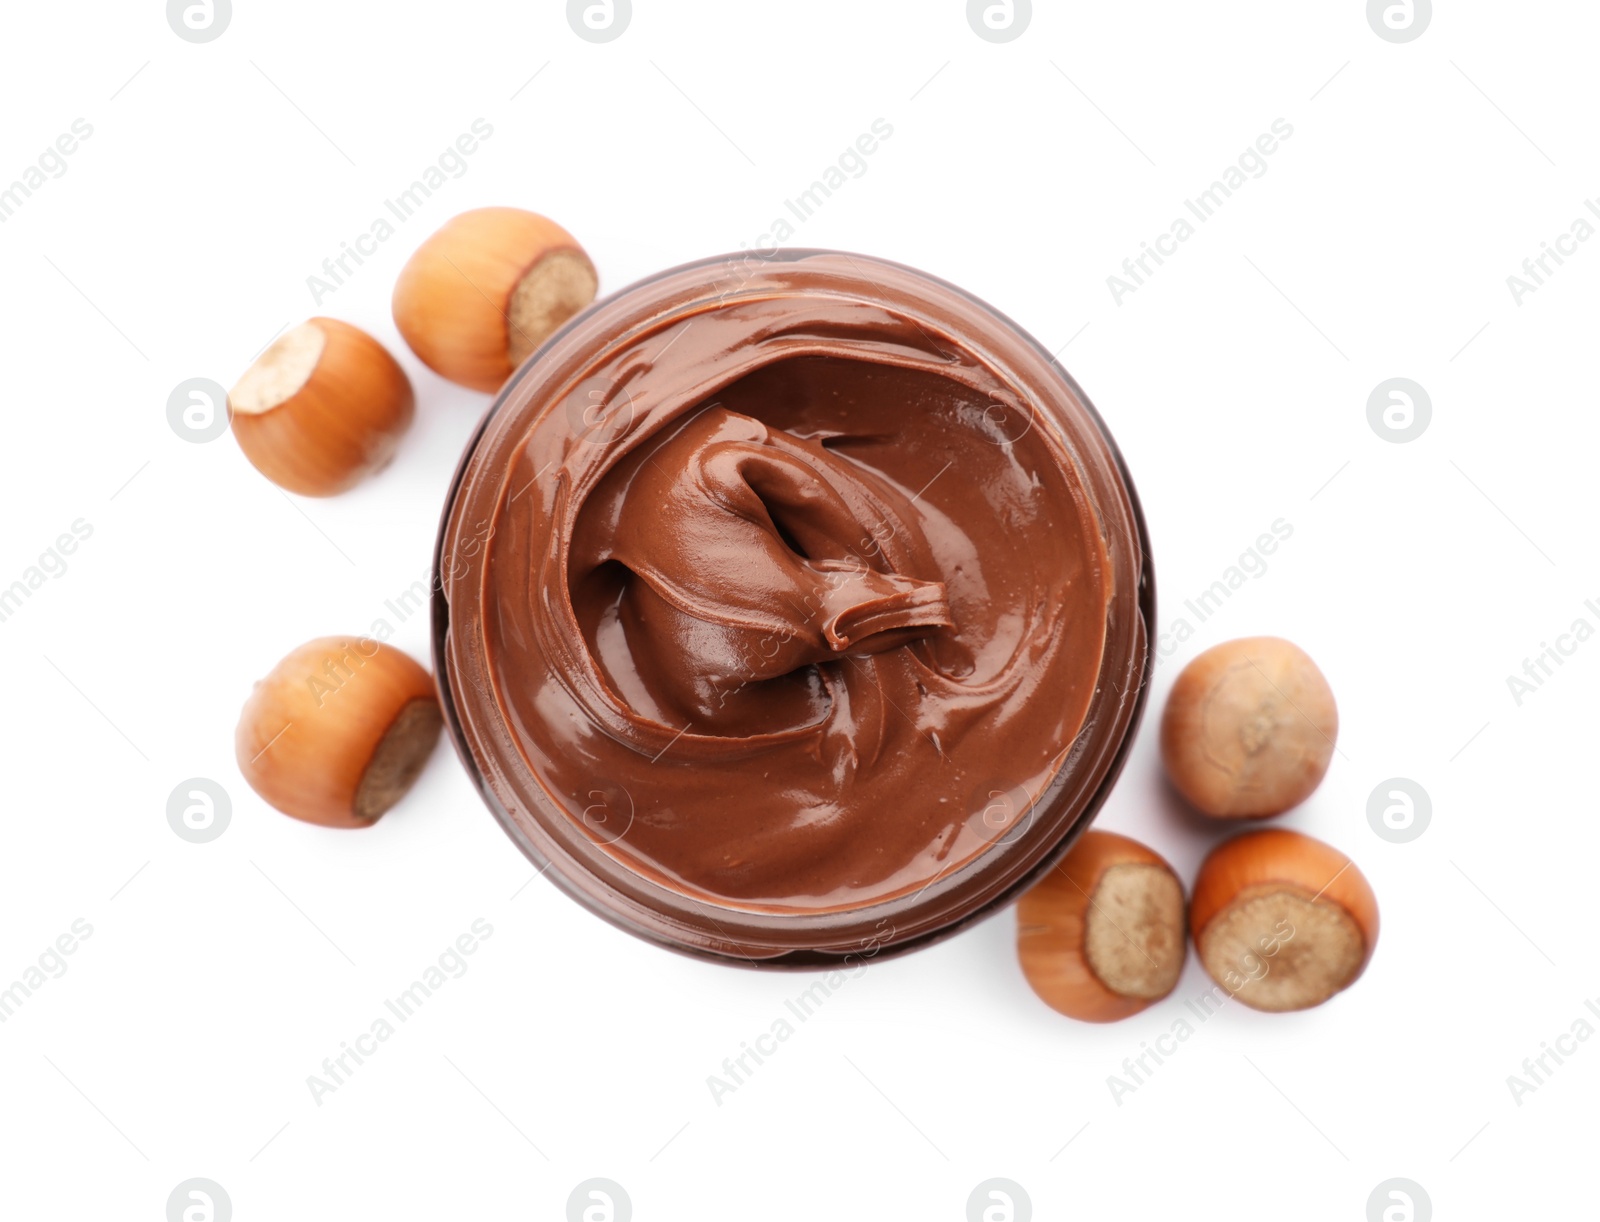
(486,289)
(322,408)
(1249,728)
(339,730)
(1281,920)
(1101,937)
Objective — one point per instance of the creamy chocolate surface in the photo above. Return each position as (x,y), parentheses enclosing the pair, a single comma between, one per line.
(787,600)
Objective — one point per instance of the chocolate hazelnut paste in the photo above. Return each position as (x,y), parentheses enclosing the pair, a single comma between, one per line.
(789,598)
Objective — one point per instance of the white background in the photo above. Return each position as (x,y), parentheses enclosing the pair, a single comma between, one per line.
(1419,575)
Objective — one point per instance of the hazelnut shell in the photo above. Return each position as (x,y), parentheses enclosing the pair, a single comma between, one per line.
(1258,879)
(338,731)
(322,408)
(1249,728)
(481,293)
(1101,937)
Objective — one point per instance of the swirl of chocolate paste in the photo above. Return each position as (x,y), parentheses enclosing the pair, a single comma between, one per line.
(786,599)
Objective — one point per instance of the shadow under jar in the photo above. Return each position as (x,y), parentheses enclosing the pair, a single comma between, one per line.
(792,610)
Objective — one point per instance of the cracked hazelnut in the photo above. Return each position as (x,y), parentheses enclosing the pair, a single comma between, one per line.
(1102,935)
(322,408)
(1282,921)
(483,292)
(338,731)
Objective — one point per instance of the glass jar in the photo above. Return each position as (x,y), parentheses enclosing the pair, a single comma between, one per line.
(563,753)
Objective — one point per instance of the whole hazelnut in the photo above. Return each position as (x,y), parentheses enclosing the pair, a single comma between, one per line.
(1249,728)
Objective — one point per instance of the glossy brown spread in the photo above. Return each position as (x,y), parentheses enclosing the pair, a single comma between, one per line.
(787,601)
